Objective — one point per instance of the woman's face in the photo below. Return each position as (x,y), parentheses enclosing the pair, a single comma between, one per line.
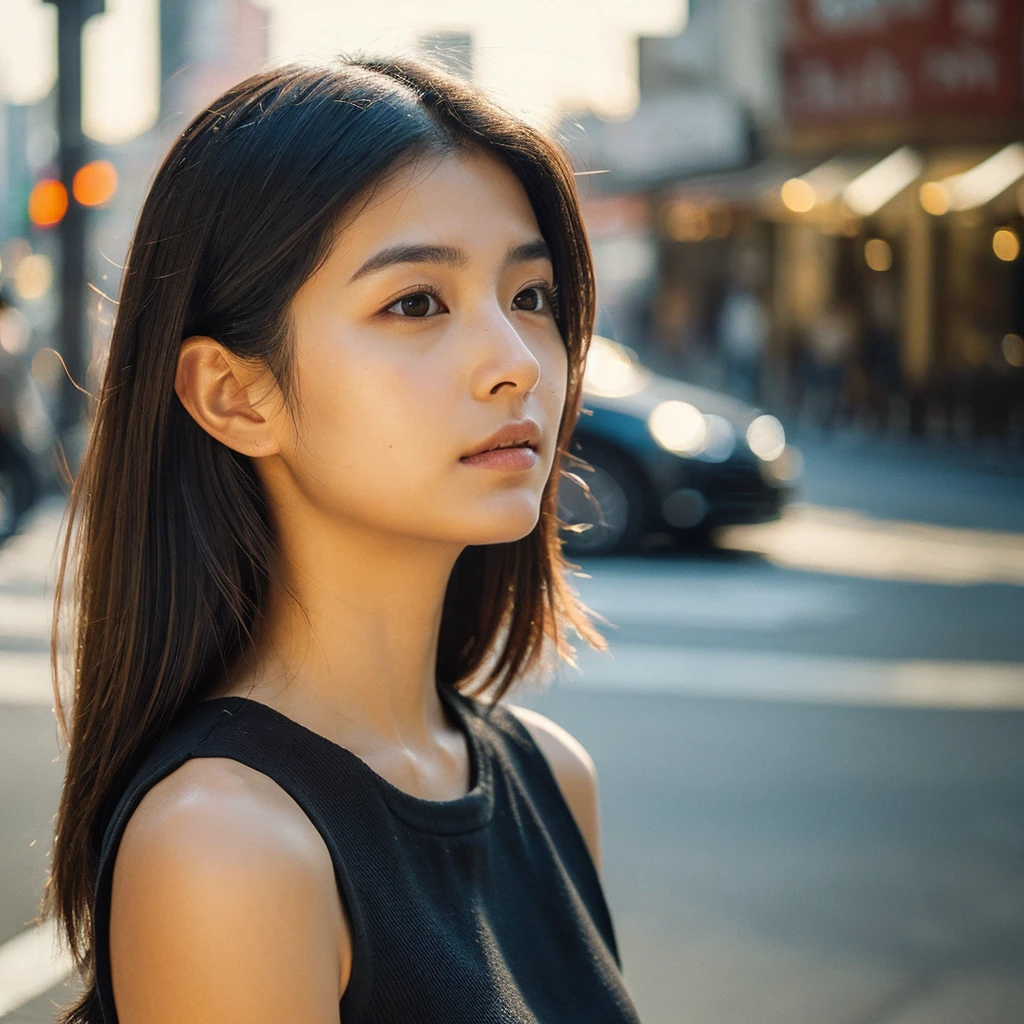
(427,329)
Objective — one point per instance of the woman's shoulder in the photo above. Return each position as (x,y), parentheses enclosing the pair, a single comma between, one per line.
(218,870)
(560,747)
(222,795)
(573,768)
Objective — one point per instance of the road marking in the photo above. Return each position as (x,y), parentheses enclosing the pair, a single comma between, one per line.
(26,616)
(784,676)
(31,556)
(758,599)
(30,964)
(25,679)
(847,542)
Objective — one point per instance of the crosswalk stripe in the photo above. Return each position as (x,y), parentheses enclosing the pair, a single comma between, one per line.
(25,679)
(785,676)
(31,964)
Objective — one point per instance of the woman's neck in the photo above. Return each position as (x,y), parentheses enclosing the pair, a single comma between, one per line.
(354,645)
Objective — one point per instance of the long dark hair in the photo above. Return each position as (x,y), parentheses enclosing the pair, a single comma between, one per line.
(168,534)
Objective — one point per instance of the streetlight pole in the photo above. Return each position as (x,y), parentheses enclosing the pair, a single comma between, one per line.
(71,18)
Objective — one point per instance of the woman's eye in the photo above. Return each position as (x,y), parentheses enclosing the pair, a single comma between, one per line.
(419,304)
(536,299)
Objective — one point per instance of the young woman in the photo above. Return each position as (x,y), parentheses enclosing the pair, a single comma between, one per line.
(318,505)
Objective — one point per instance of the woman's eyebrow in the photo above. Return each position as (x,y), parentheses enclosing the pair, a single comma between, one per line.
(447,255)
(535,250)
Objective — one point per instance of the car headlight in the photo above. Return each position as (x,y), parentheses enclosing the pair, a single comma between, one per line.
(721,441)
(610,373)
(766,438)
(678,427)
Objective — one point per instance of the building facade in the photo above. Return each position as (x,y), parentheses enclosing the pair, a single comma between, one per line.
(874,211)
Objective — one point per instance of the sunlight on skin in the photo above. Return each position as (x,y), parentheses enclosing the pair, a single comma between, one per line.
(847,542)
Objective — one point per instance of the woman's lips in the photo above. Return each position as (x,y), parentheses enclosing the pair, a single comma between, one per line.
(503,458)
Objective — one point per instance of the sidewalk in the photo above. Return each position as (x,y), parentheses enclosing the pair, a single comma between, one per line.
(28,567)
(32,980)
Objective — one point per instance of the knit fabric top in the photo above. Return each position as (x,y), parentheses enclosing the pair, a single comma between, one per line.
(478,910)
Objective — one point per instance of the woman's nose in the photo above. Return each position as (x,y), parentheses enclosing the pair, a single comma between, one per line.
(504,359)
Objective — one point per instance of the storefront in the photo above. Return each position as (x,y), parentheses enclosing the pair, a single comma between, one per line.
(925,241)
(885,229)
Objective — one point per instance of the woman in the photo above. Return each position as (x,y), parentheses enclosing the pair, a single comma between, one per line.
(319,502)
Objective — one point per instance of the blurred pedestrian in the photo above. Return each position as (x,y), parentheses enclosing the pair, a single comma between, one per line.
(831,339)
(742,330)
(742,334)
(317,544)
(18,480)
(881,365)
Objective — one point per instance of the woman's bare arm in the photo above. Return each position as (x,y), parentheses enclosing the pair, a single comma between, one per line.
(224,906)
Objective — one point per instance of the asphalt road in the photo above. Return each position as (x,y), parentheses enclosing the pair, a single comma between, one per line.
(809,748)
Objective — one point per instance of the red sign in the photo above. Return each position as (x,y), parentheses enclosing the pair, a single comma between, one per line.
(847,61)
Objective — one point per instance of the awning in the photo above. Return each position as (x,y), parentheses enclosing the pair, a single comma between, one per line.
(779,183)
(883,181)
(979,185)
(854,185)
(746,186)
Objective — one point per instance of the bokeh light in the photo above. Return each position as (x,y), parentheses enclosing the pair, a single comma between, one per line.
(15,330)
(878,254)
(798,195)
(678,427)
(1013,349)
(687,222)
(47,203)
(610,372)
(934,198)
(721,442)
(95,183)
(34,276)
(46,368)
(766,437)
(1006,245)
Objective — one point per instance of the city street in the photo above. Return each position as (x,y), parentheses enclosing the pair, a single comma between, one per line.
(809,746)
(792,235)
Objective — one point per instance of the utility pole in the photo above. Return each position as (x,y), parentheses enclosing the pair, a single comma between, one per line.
(71,18)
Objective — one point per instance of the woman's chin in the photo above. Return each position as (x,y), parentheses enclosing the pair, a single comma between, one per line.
(504,529)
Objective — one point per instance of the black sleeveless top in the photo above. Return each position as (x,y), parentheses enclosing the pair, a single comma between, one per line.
(478,910)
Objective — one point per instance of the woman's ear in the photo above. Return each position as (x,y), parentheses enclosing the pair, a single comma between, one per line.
(218,390)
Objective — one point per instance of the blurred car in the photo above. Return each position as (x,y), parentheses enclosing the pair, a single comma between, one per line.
(665,455)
